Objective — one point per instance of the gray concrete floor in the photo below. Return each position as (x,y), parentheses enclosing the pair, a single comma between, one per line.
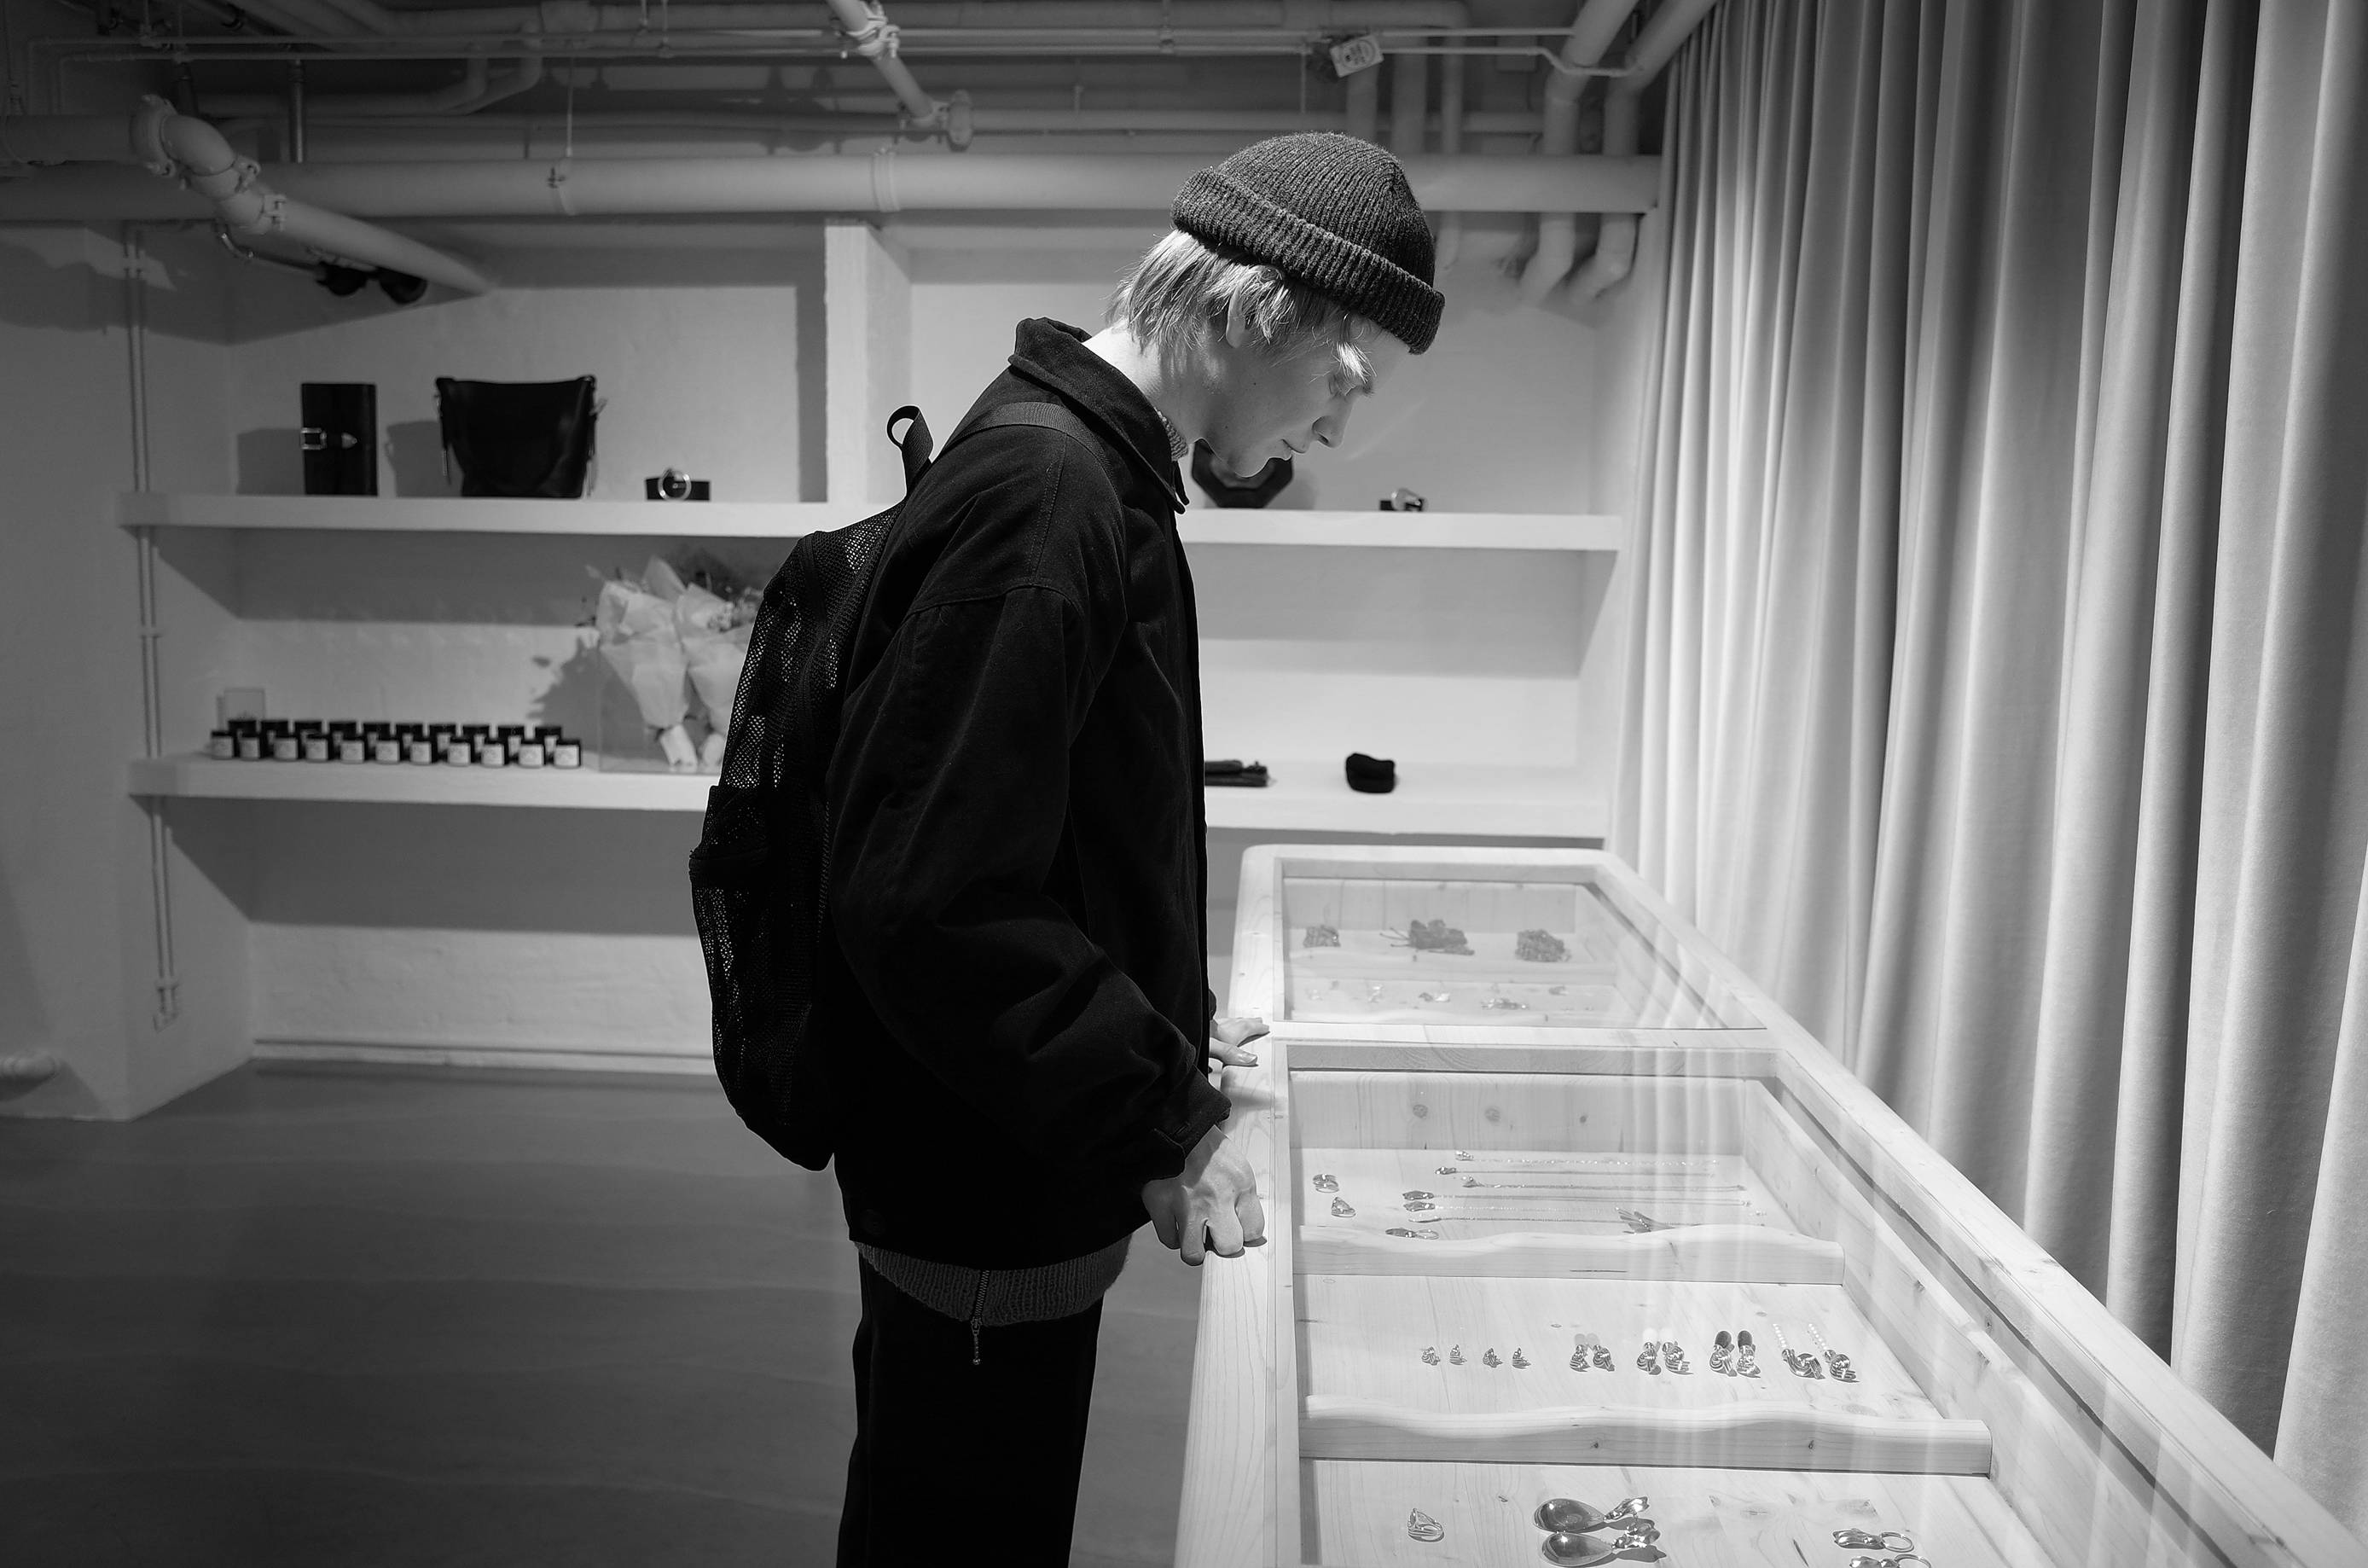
(352,1317)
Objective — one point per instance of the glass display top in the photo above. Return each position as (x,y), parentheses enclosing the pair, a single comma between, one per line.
(1481,952)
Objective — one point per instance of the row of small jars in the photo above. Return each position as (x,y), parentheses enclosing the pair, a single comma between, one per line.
(422,745)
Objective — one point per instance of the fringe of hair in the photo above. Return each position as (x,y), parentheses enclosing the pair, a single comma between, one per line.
(1182,289)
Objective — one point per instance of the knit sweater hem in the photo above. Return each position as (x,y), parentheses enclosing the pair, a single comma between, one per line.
(998,1298)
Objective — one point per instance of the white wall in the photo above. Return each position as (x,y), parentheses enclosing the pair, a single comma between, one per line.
(78,954)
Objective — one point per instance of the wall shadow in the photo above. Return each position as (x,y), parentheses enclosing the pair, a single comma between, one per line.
(475,868)
(270,462)
(415,459)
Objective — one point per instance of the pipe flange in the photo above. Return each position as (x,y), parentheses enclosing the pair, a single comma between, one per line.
(148,133)
(875,37)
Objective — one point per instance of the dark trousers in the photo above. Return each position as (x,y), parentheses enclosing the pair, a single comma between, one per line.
(955,1462)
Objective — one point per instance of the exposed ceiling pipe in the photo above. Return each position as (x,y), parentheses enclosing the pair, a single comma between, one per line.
(1409,102)
(478,88)
(883,182)
(845,118)
(578,19)
(306,17)
(871,34)
(1591,32)
(1452,123)
(1615,242)
(1363,104)
(1615,251)
(296,111)
(172,143)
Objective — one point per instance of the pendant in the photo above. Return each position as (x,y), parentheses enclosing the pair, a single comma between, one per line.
(1327,1183)
(1422,1526)
(1488,1357)
(1340,1208)
(1430,1354)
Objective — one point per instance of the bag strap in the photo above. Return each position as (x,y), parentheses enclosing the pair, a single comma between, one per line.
(1042,415)
(915,446)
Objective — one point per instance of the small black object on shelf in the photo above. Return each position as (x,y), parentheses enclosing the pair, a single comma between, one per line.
(1229,490)
(674,486)
(1403,500)
(1235,775)
(1372,775)
(339,438)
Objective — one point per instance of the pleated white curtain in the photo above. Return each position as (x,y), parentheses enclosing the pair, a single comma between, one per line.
(1997,690)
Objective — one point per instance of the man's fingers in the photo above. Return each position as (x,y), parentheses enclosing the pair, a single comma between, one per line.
(1228,1040)
(1225,1233)
(1195,1242)
(1163,1225)
(1251,1215)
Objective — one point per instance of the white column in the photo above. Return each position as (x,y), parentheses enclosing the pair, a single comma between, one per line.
(867,363)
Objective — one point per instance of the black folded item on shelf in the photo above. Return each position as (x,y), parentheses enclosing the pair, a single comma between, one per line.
(528,438)
(1235,775)
(1372,775)
(339,438)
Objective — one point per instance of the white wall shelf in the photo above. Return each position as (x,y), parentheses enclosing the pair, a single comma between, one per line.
(391,514)
(790,519)
(1306,796)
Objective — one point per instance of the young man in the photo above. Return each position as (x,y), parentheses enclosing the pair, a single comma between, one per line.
(1013,999)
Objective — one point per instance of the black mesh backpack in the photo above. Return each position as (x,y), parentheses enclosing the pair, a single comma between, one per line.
(760,873)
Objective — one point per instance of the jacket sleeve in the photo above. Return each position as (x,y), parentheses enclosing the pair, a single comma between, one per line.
(950,782)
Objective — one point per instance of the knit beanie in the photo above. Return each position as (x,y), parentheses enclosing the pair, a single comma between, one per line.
(1329,211)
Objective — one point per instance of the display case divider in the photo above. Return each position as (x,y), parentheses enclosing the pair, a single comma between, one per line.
(1723,1438)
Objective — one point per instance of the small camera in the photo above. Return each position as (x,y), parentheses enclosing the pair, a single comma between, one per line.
(674,486)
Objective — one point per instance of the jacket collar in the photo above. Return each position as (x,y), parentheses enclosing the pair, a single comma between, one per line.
(1054,355)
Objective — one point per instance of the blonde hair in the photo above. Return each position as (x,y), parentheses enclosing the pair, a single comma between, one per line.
(1181,289)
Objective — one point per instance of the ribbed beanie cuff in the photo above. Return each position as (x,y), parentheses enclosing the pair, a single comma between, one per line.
(1331,212)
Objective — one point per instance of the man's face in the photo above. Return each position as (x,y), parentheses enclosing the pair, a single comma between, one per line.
(1273,404)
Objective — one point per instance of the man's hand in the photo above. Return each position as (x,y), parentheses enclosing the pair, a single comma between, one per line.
(1212,1206)
(1227,1037)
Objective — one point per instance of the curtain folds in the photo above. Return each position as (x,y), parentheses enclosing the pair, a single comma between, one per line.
(1998,682)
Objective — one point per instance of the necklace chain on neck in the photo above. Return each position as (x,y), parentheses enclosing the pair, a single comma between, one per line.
(1178,446)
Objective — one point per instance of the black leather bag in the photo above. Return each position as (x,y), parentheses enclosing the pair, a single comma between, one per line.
(528,438)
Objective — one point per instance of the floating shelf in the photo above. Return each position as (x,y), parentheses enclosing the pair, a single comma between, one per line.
(790,519)
(1306,796)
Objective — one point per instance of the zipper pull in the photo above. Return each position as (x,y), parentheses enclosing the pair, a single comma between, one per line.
(973,1342)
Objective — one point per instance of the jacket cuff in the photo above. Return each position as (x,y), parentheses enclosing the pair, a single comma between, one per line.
(1205,1106)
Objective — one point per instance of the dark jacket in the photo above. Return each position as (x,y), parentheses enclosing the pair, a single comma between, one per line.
(1013,999)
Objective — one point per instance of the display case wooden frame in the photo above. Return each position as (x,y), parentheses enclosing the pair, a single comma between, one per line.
(2014,1421)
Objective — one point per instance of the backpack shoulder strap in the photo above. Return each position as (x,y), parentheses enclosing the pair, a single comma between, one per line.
(1042,415)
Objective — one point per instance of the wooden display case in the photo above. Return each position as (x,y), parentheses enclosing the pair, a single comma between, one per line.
(1551,1110)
